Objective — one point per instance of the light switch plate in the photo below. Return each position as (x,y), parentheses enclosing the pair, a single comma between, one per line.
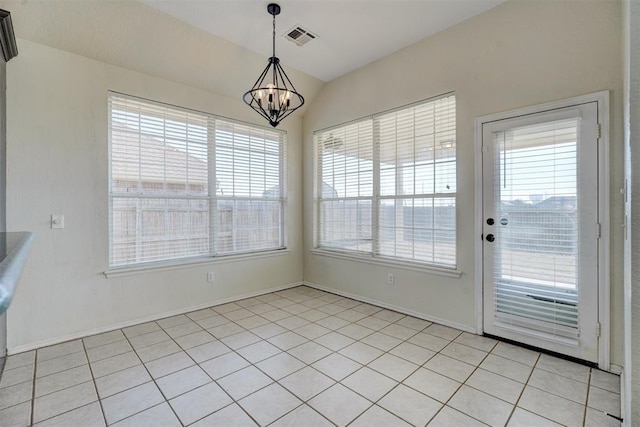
(57,221)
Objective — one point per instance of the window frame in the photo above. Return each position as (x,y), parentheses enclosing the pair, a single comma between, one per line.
(374,256)
(211,123)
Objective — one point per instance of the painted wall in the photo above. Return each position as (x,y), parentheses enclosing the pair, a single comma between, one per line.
(631,379)
(58,163)
(518,54)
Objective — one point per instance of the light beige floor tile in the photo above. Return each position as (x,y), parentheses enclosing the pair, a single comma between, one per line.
(339,404)
(367,309)
(64,400)
(413,407)
(157,351)
(252,322)
(605,380)
(276,315)
(369,383)
(389,315)
(19,360)
(481,406)
(296,309)
(280,366)
(201,314)
(122,380)
(373,323)
(411,352)
(244,382)
(507,368)
(519,354)
(208,351)
(351,315)
(336,366)
(464,353)
(313,315)
(239,314)
(399,331)
(58,350)
(306,383)
(141,329)
(312,331)
(159,415)
(449,417)
(565,368)
(226,308)
(432,384)
(130,402)
(450,367)
(17,376)
(213,321)
(62,380)
(496,385)
(145,340)
(169,364)
(292,322)
(302,416)
(169,322)
(361,353)
(287,340)
(332,323)
(62,363)
(441,331)
(86,416)
(476,341)
(561,386)
(552,407)
(430,342)
(261,308)
(199,403)
(378,417)
(414,323)
(230,416)
(16,416)
(522,418)
(224,365)
(194,340)
(597,418)
(309,352)
(355,332)
(108,350)
(268,330)
(334,341)
(346,302)
(604,400)
(225,330)
(269,404)
(393,367)
(254,353)
(182,381)
(15,394)
(240,340)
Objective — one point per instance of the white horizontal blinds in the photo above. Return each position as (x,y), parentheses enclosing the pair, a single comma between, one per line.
(417,163)
(250,193)
(158,182)
(536,230)
(345,186)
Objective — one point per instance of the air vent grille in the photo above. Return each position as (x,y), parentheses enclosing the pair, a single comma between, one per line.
(299,35)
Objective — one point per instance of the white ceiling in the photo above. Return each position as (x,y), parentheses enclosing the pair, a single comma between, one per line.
(351,33)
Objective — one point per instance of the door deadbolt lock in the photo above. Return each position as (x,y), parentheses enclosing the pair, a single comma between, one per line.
(490,238)
(490,221)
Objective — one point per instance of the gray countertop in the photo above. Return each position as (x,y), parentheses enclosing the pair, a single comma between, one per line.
(14,247)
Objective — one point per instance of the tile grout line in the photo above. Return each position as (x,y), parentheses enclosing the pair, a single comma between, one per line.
(93,379)
(33,391)
(515,406)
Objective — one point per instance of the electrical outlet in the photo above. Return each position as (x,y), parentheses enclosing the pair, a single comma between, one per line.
(210,276)
(390,279)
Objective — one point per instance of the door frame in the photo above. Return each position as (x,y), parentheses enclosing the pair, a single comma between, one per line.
(604,307)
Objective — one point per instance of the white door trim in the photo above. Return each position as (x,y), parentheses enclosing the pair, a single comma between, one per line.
(602,98)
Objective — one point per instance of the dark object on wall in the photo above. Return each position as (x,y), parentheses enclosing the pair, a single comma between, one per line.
(7,36)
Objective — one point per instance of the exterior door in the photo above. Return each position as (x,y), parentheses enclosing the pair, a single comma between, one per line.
(541,230)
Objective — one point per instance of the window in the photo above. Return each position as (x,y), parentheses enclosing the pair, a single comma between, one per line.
(386,184)
(188,184)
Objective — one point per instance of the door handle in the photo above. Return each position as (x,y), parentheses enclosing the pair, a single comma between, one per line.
(490,238)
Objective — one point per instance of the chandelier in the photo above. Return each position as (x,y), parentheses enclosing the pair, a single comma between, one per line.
(273,96)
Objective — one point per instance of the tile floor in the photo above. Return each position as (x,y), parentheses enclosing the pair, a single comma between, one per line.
(299,357)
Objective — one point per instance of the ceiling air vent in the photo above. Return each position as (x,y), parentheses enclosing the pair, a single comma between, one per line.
(299,35)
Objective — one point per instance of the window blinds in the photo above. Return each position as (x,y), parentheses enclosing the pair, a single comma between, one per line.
(536,258)
(166,196)
(386,185)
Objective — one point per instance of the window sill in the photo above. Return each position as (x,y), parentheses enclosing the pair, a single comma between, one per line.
(189,262)
(422,268)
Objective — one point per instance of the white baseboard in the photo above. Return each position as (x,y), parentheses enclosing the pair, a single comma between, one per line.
(402,310)
(74,336)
